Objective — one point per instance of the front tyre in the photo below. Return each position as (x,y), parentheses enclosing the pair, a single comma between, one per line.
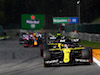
(46,57)
(87,54)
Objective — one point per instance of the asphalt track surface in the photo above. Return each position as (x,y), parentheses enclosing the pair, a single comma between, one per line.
(17,60)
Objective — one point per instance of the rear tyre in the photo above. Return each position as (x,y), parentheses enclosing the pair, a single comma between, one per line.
(26,42)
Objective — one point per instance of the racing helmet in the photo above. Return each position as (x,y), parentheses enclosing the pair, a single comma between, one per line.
(58,34)
(34,34)
(65,46)
(27,33)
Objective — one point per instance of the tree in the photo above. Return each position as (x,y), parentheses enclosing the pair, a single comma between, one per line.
(2,19)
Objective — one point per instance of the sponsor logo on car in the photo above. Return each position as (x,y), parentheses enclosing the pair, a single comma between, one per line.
(52,61)
(82,60)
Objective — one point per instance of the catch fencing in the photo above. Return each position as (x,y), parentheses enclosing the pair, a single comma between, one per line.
(84,28)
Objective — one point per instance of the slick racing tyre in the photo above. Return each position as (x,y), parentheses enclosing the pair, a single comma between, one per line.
(43,47)
(87,54)
(41,51)
(26,43)
(46,56)
(90,56)
(21,41)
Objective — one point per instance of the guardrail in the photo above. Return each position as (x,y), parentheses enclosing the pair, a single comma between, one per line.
(84,36)
(11,31)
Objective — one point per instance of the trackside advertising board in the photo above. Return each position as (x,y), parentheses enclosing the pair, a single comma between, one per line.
(59,20)
(32,21)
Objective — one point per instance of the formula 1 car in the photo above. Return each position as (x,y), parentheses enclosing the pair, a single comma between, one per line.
(66,53)
(22,38)
(31,41)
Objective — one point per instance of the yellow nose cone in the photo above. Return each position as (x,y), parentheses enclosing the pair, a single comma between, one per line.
(66,58)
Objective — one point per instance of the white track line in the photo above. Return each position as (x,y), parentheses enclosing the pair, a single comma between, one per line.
(96,61)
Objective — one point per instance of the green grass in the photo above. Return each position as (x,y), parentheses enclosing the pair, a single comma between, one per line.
(4,36)
(91,44)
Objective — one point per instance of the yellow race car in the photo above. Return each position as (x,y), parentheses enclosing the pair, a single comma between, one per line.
(59,53)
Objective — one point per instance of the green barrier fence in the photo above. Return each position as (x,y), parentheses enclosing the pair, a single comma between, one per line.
(85,28)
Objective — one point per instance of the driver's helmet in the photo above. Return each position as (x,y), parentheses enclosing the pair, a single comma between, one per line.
(34,34)
(58,34)
(30,35)
(65,46)
(27,33)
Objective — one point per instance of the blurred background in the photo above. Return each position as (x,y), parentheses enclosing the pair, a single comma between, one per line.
(87,11)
